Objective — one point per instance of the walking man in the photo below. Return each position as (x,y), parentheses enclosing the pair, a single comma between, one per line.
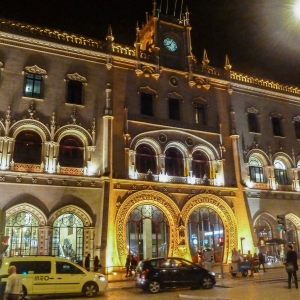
(13,287)
(291,257)
(261,261)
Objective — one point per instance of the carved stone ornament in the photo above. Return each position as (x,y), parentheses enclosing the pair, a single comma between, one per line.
(252,110)
(35,70)
(147,90)
(174,95)
(76,77)
(173,81)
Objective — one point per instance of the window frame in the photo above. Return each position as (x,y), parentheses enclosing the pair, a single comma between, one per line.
(296,122)
(256,165)
(35,71)
(75,80)
(144,98)
(281,179)
(174,109)
(277,126)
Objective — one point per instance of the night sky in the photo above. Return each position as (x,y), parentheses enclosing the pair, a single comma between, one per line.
(261,37)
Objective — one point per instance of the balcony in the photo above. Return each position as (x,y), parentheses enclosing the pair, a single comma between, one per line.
(171,179)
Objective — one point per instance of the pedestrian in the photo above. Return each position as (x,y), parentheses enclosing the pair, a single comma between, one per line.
(133,264)
(235,257)
(261,259)
(87,261)
(291,257)
(13,287)
(199,254)
(97,264)
(254,264)
(127,266)
(249,256)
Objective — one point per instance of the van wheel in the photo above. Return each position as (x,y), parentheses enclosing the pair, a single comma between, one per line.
(24,293)
(90,289)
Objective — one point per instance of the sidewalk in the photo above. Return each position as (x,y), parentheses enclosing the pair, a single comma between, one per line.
(275,270)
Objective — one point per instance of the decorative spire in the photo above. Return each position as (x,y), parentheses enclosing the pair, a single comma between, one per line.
(137,31)
(227,66)
(110,34)
(154,9)
(7,120)
(94,131)
(187,17)
(180,16)
(205,60)
(52,126)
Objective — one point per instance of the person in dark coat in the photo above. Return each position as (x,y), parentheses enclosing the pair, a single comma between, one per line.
(127,266)
(133,264)
(261,259)
(87,262)
(96,264)
(291,257)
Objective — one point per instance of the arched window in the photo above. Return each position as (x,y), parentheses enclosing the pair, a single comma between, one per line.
(256,170)
(145,159)
(71,152)
(174,162)
(28,148)
(280,172)
(200,165)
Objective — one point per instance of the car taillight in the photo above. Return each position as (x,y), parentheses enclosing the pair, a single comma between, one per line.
(144,273)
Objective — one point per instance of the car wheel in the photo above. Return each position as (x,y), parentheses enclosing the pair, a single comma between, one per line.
(154,287)
(245,273)
(24,293)
(207,282)
(233,274)
(90,289)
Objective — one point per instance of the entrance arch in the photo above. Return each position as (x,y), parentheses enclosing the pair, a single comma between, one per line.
(23,225)
(69,232)
(223,210)
(147,197)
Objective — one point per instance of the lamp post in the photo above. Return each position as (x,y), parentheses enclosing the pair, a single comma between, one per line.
(242,238)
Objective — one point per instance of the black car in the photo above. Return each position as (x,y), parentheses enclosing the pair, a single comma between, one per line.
(172,272)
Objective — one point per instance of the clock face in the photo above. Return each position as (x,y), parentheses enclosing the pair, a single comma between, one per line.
(170,44)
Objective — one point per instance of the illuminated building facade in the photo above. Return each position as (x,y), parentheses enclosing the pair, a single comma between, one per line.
(113,150)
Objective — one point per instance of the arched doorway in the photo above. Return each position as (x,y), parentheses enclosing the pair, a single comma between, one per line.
(221,214)
(67,240)
(155,199)
(205,231)
(22,230)
(147,232)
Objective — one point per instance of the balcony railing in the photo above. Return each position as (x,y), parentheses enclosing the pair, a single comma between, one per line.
(27,168)
(171,179)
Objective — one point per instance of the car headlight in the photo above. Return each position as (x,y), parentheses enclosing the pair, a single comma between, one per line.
(102,278)
(212,273)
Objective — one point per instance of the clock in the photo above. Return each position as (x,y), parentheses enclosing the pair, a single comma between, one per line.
(170,44)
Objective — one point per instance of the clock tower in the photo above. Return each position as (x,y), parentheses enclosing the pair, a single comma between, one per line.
(167,36)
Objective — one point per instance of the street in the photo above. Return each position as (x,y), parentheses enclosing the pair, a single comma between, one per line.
(263,286)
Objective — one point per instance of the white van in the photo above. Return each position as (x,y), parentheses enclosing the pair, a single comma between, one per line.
(44,275)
